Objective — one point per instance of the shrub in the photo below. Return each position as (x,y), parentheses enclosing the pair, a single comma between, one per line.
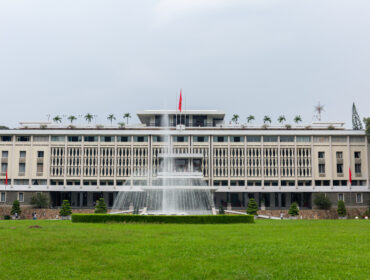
(66,209)
(252,207)
(221,211)
(341,209)
(293,210)
(7,217)
(40,200)
(194,219)
(16,208)
(322,202)
(101,207)
(288,126)
(331,127)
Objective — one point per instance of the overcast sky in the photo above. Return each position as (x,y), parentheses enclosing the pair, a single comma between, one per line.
(260,57)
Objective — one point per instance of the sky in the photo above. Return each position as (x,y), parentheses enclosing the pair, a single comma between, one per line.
(259,57)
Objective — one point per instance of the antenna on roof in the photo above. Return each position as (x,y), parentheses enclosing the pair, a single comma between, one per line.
(318,110)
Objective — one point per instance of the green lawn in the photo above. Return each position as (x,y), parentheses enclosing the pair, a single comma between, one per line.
(321,249)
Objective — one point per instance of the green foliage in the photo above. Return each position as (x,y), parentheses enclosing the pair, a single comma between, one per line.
(16,208)
(252,207)
(367,126)
(288,126)
(331,127)
(66,209)
(322,202)
(196,219)
(3,127)
(293,210)
(101,207)
(40,200)
(6,217)
(221,211)
(341,208)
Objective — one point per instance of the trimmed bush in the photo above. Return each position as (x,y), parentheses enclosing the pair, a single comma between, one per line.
(7,217)
(101,207)
(252,207)
(66,209)
(293,210)
(40,200)
(322,202)
(16,208)
(342,211)
(221,211)
(195,219)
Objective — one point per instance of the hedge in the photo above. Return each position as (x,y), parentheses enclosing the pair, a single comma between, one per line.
(194,219)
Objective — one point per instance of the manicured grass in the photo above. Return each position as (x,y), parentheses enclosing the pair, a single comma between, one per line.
(326,249)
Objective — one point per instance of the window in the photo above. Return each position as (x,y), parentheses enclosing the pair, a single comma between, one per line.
(200,138)
(321,155)
(220,139)
(91,138)
(22,168)
(41,138)
(2,197)
(6,138)
(58,138)
(357,139)
(23,138)
(141,138)
(358,168)
(357,154)
(340,168)
(270,138)
(4,154)
(322,168)
(180,138)
(20,197)
(339,154)
(237,139)
(40,154)
(286,138)
(22,154)
(159,138)
(321,139)
(40,167)
(4,167)
(74,138)
(339,139)
(340,196)
(253,138)
(123,138)
(303,139)
(107,139)
(358,197)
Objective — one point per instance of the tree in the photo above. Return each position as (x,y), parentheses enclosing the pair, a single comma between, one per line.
(101,207)
(250,118)
(235,118)
(66,209)
(72,119)
(367,126)
(40,200)
(111,118)
(356,121)
(127,116)
(281,119)
(322,202)
(297,119)
(252,207)
(57,119)
(342,211)
(89,117)
(293,210)
(16,208)
(121,124)
(266,119)
(221,211)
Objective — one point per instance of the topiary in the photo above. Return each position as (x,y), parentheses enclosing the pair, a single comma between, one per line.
(293,210)
(341,208)
(66,209)
(40,200)
(252,207)
(322,202)
(101,207)
(221,211)
(16,208)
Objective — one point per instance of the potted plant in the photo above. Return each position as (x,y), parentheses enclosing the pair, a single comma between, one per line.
(66,211)
(342,211)
(293,210)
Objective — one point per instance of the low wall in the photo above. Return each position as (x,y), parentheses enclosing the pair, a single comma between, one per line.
(43,214)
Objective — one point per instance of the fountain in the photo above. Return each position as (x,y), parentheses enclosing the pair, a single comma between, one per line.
(178,187)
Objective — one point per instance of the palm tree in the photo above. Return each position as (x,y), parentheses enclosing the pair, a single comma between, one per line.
(297,119)
(72,118)
(281,119)
(235,118)
(111,117)
(266,119)
(127,116)
(89,117)
(57,119)
(250,118)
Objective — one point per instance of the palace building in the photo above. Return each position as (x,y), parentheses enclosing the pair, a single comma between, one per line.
(274,165)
